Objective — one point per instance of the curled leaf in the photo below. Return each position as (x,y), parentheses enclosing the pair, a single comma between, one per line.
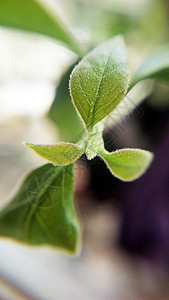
(59,154)
(127,164)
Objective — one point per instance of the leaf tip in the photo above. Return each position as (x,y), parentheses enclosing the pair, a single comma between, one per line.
(29,145)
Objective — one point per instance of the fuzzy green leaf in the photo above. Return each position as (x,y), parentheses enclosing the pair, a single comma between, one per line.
(42,212)
(35,16)
(59,154)
(99,82)
(127,164)
(155,66)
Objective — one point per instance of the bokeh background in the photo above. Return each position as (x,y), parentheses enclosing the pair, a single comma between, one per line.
(125,226)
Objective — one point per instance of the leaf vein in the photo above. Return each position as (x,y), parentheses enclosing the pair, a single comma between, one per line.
(35,207)
(90,66)
(93,103)
(44,227)
(84,93)
(108,92)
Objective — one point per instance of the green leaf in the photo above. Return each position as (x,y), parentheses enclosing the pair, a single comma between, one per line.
(42,212)
(59,154)
(35,16)
(127,164)
(99,82)
(155,66)
(62,112)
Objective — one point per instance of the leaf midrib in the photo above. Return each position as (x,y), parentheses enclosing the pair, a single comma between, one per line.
(36,207)
(93,103)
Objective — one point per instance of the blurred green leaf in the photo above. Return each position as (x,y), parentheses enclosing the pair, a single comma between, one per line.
(62,112)
(42,212)
(155,66)
(127,164)
(99,82)
(36,16)
(59,154)
(159,97)
(103,23)
(153,24)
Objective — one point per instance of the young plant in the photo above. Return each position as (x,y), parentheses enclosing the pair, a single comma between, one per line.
(42,212)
